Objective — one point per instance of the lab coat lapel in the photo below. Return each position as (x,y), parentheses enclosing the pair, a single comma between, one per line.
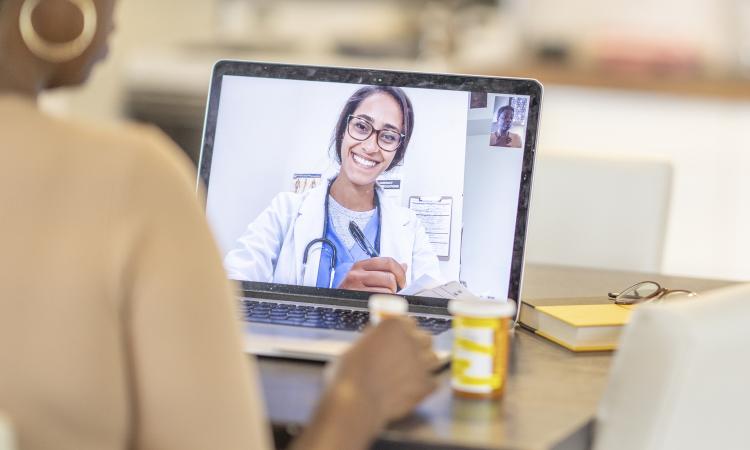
(309,226)
(395,239)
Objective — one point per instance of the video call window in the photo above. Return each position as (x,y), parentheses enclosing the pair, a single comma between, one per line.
(285,149)
(509,121)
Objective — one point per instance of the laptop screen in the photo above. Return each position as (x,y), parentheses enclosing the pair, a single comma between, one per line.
(353,180)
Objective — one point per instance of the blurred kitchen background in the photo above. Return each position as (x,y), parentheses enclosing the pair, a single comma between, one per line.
(668,80)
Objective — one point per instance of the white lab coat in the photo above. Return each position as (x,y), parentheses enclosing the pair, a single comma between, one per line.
(272,247)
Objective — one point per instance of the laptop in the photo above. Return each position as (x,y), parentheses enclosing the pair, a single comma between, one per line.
(327,184)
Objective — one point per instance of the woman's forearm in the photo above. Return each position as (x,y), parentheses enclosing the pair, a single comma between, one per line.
(343,420)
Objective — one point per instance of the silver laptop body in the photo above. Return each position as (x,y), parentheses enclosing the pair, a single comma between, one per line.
(270,140)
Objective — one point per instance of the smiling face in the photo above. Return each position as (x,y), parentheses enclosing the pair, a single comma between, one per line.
(363,161)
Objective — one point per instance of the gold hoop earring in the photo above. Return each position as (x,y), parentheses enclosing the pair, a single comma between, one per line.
(53,51)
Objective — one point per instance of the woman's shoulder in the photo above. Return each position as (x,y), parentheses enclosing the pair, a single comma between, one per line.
(101,156)
(293,202)
(286,201)
(138,164)
(87,147)
(398,212)
(138,144)
(125,151)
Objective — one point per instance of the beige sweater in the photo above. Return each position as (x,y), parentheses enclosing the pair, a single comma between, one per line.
(117,327)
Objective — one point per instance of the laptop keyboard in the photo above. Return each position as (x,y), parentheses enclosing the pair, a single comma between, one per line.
(324,317)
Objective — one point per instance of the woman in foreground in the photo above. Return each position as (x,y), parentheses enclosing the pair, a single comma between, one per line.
(117,328)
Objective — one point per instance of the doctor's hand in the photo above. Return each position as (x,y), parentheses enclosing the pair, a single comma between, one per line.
(380,274)
(382,377)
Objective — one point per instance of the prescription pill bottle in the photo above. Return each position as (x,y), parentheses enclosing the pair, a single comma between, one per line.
(385,305)
(480,347)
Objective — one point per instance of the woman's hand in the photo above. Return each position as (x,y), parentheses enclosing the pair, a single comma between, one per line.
(390,367)
(380,274)
(382,377)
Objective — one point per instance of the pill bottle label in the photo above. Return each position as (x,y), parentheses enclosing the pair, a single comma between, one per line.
(480,355)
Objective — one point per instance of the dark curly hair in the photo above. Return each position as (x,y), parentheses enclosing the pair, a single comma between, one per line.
(357,98)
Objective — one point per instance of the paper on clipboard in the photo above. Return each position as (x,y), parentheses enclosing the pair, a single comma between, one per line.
(436,214)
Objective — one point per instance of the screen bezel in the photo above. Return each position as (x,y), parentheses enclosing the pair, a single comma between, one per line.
(494,85)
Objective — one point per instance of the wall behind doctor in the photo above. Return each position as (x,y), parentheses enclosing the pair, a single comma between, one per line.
(269,129)
(490,206)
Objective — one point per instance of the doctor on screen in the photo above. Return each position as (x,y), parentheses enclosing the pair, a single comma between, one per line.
(344,233)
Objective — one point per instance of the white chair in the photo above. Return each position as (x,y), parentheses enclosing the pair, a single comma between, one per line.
(681,379)
(7,439)
(603,212)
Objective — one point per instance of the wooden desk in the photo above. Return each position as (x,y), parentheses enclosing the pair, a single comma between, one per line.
(551,396)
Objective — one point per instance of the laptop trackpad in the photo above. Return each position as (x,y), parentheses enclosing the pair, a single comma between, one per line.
(314,344)
(296,342)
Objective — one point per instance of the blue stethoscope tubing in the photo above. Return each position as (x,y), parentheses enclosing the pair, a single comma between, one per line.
(327,242)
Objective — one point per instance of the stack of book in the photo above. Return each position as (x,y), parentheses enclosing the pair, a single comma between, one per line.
(578,324)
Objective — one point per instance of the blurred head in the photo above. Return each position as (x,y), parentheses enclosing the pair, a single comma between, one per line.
(373,132)
(504,118)
(56,41)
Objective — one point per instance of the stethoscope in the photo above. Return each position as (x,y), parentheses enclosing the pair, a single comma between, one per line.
(327,242)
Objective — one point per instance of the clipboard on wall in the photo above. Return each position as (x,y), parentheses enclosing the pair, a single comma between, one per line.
(436,214)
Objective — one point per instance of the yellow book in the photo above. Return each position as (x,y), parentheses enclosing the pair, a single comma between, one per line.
(578,324)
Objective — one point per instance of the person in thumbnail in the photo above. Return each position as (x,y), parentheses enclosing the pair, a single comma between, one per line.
(308,239)
(501,135)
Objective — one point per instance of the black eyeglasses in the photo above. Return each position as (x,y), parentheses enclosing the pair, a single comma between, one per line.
(647,291)
(361,130)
